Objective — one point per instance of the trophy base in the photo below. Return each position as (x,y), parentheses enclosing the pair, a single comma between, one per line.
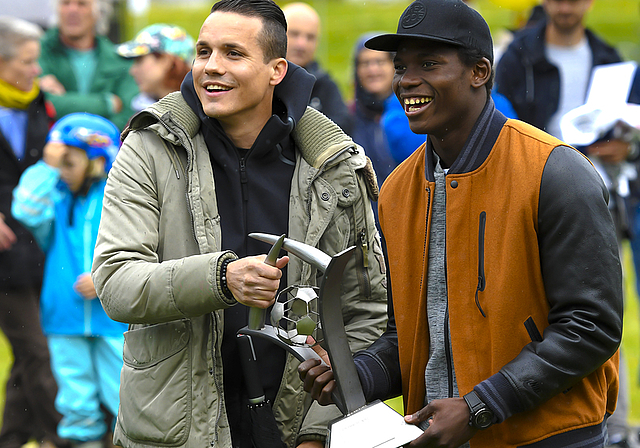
(375,425)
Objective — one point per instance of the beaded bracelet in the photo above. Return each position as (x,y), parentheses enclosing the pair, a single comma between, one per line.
(223,278)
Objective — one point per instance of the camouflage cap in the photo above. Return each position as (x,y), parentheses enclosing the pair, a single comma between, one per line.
(159,38)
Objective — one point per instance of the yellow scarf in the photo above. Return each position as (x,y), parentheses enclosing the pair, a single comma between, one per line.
(14,98)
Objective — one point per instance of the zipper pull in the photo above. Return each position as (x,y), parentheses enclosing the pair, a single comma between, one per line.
(365,248)
(243,179)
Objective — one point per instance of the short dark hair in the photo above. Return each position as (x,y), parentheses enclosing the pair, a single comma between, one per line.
(274,24)
(470,57)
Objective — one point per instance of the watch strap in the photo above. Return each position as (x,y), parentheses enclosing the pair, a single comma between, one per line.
(480,416)
(473,401)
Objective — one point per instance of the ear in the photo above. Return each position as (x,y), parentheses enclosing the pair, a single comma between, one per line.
(481,73)
(96,166)
(279,67)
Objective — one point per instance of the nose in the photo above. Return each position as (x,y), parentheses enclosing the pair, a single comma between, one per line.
(406,80)
(565,7)
(214,65)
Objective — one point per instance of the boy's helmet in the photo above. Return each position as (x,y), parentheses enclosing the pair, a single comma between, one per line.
(96,135)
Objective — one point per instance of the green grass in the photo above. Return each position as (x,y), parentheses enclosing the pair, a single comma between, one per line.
(6,361)
(343,21)
(631,337)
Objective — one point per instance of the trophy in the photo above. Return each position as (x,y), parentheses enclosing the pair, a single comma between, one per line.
(302,311)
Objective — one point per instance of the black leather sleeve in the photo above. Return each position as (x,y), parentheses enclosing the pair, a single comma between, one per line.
(583,282)
(379,366)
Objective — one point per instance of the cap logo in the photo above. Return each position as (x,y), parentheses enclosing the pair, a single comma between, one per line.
(414,14)
(94,139)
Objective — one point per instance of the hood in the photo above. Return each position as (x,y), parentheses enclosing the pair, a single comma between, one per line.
(290,101)
(365,102)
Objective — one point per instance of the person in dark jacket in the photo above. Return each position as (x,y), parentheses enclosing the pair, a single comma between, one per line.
(505,284)
(29,410)
(373,73)
(532,82)
(303,30)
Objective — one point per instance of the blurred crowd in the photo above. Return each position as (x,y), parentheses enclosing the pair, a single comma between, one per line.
(67,92)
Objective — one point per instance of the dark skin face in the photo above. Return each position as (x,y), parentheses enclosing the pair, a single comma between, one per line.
(442,96)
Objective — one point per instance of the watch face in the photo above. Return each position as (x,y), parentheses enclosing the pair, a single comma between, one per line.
(483,419)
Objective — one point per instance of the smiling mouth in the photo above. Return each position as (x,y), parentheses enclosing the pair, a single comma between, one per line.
(217,88)
(416,103)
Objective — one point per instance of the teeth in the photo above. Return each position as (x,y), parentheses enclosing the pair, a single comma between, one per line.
(217,88)
(420,100)
(414,104)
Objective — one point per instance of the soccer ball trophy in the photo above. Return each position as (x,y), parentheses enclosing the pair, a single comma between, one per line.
(294,318)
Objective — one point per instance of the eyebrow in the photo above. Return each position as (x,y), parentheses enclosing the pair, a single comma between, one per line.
(229,45)
(422,55)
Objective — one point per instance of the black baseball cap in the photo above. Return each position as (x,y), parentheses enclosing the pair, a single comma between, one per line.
(448,21)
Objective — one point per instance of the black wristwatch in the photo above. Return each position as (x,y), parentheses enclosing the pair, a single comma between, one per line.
(481,416)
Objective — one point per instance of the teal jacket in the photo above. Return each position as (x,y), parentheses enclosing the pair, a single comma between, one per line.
(65,226)
(111,77)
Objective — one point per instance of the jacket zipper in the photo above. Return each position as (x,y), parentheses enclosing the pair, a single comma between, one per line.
(482,283)
(244,185)
(529,83)
(362,259)
(186,180)
(425,255)
(243,177)
(447,353)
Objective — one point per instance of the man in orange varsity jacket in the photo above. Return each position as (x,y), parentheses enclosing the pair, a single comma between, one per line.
(505,292)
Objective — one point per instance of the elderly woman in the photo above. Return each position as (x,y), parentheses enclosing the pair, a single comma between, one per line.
(162,56)
(24,123)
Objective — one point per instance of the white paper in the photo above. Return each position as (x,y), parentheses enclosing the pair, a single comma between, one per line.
(606,106)
(373,426)
(610,84)
(586,124)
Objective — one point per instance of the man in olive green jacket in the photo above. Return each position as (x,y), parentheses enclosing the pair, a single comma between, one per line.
(162,262)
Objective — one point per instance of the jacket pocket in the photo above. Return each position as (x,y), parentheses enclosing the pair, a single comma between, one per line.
(482,280)
(155,385)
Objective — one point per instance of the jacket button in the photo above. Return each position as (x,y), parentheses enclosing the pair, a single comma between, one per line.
(346,193)
(325,196)
(33,152)
(454,184)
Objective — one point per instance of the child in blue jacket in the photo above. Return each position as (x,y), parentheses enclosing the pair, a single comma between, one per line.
(60,200)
